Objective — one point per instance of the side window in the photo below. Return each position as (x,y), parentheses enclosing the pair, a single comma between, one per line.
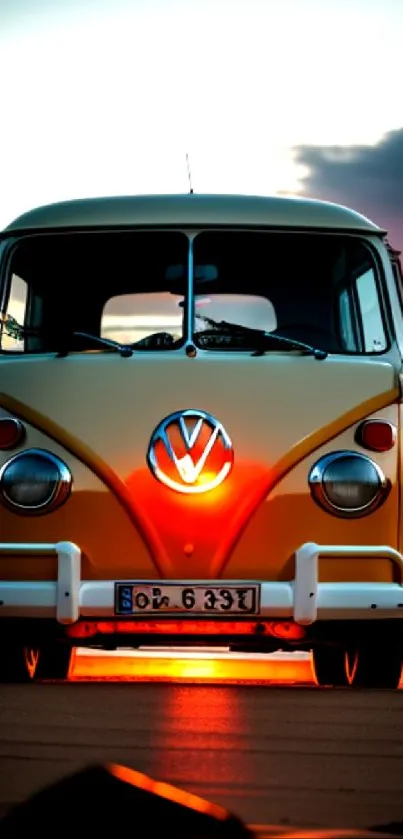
(346,320)
(16,309)
(373,331)
(360,315)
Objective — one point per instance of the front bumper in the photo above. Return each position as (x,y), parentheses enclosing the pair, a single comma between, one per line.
(304,599)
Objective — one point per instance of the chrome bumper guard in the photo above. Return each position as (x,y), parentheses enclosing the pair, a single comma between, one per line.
(304,599)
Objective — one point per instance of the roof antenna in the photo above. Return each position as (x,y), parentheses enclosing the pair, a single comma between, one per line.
(189,174)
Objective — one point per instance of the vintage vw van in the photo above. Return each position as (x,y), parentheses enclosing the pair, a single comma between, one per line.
(200,433)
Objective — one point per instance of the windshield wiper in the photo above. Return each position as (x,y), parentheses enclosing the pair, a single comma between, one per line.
(157,340)
(125,350)
(260,337)
(15,330)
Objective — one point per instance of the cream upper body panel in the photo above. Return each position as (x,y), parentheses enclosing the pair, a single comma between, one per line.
(268,405)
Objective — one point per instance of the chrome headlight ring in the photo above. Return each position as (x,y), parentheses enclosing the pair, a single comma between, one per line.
(34,482)
(348,484)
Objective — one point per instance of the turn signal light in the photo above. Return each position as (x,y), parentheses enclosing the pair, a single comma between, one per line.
(12,432)
(376,435)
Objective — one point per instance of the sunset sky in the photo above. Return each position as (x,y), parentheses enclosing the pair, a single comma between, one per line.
(102,97)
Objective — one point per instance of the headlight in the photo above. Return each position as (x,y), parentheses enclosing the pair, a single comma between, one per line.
(34,482)
(348,484)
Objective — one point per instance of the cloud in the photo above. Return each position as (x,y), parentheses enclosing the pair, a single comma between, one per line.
(367,178)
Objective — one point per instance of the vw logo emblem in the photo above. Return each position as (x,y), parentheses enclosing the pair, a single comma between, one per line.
(190,452)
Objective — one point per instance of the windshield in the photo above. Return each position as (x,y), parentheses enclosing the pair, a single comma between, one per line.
(319,289)
(132,288)
(113,285)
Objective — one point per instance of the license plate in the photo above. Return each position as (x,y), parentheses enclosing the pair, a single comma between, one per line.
(170,598)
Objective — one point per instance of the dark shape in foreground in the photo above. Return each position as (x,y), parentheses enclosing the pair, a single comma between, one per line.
(98,796)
